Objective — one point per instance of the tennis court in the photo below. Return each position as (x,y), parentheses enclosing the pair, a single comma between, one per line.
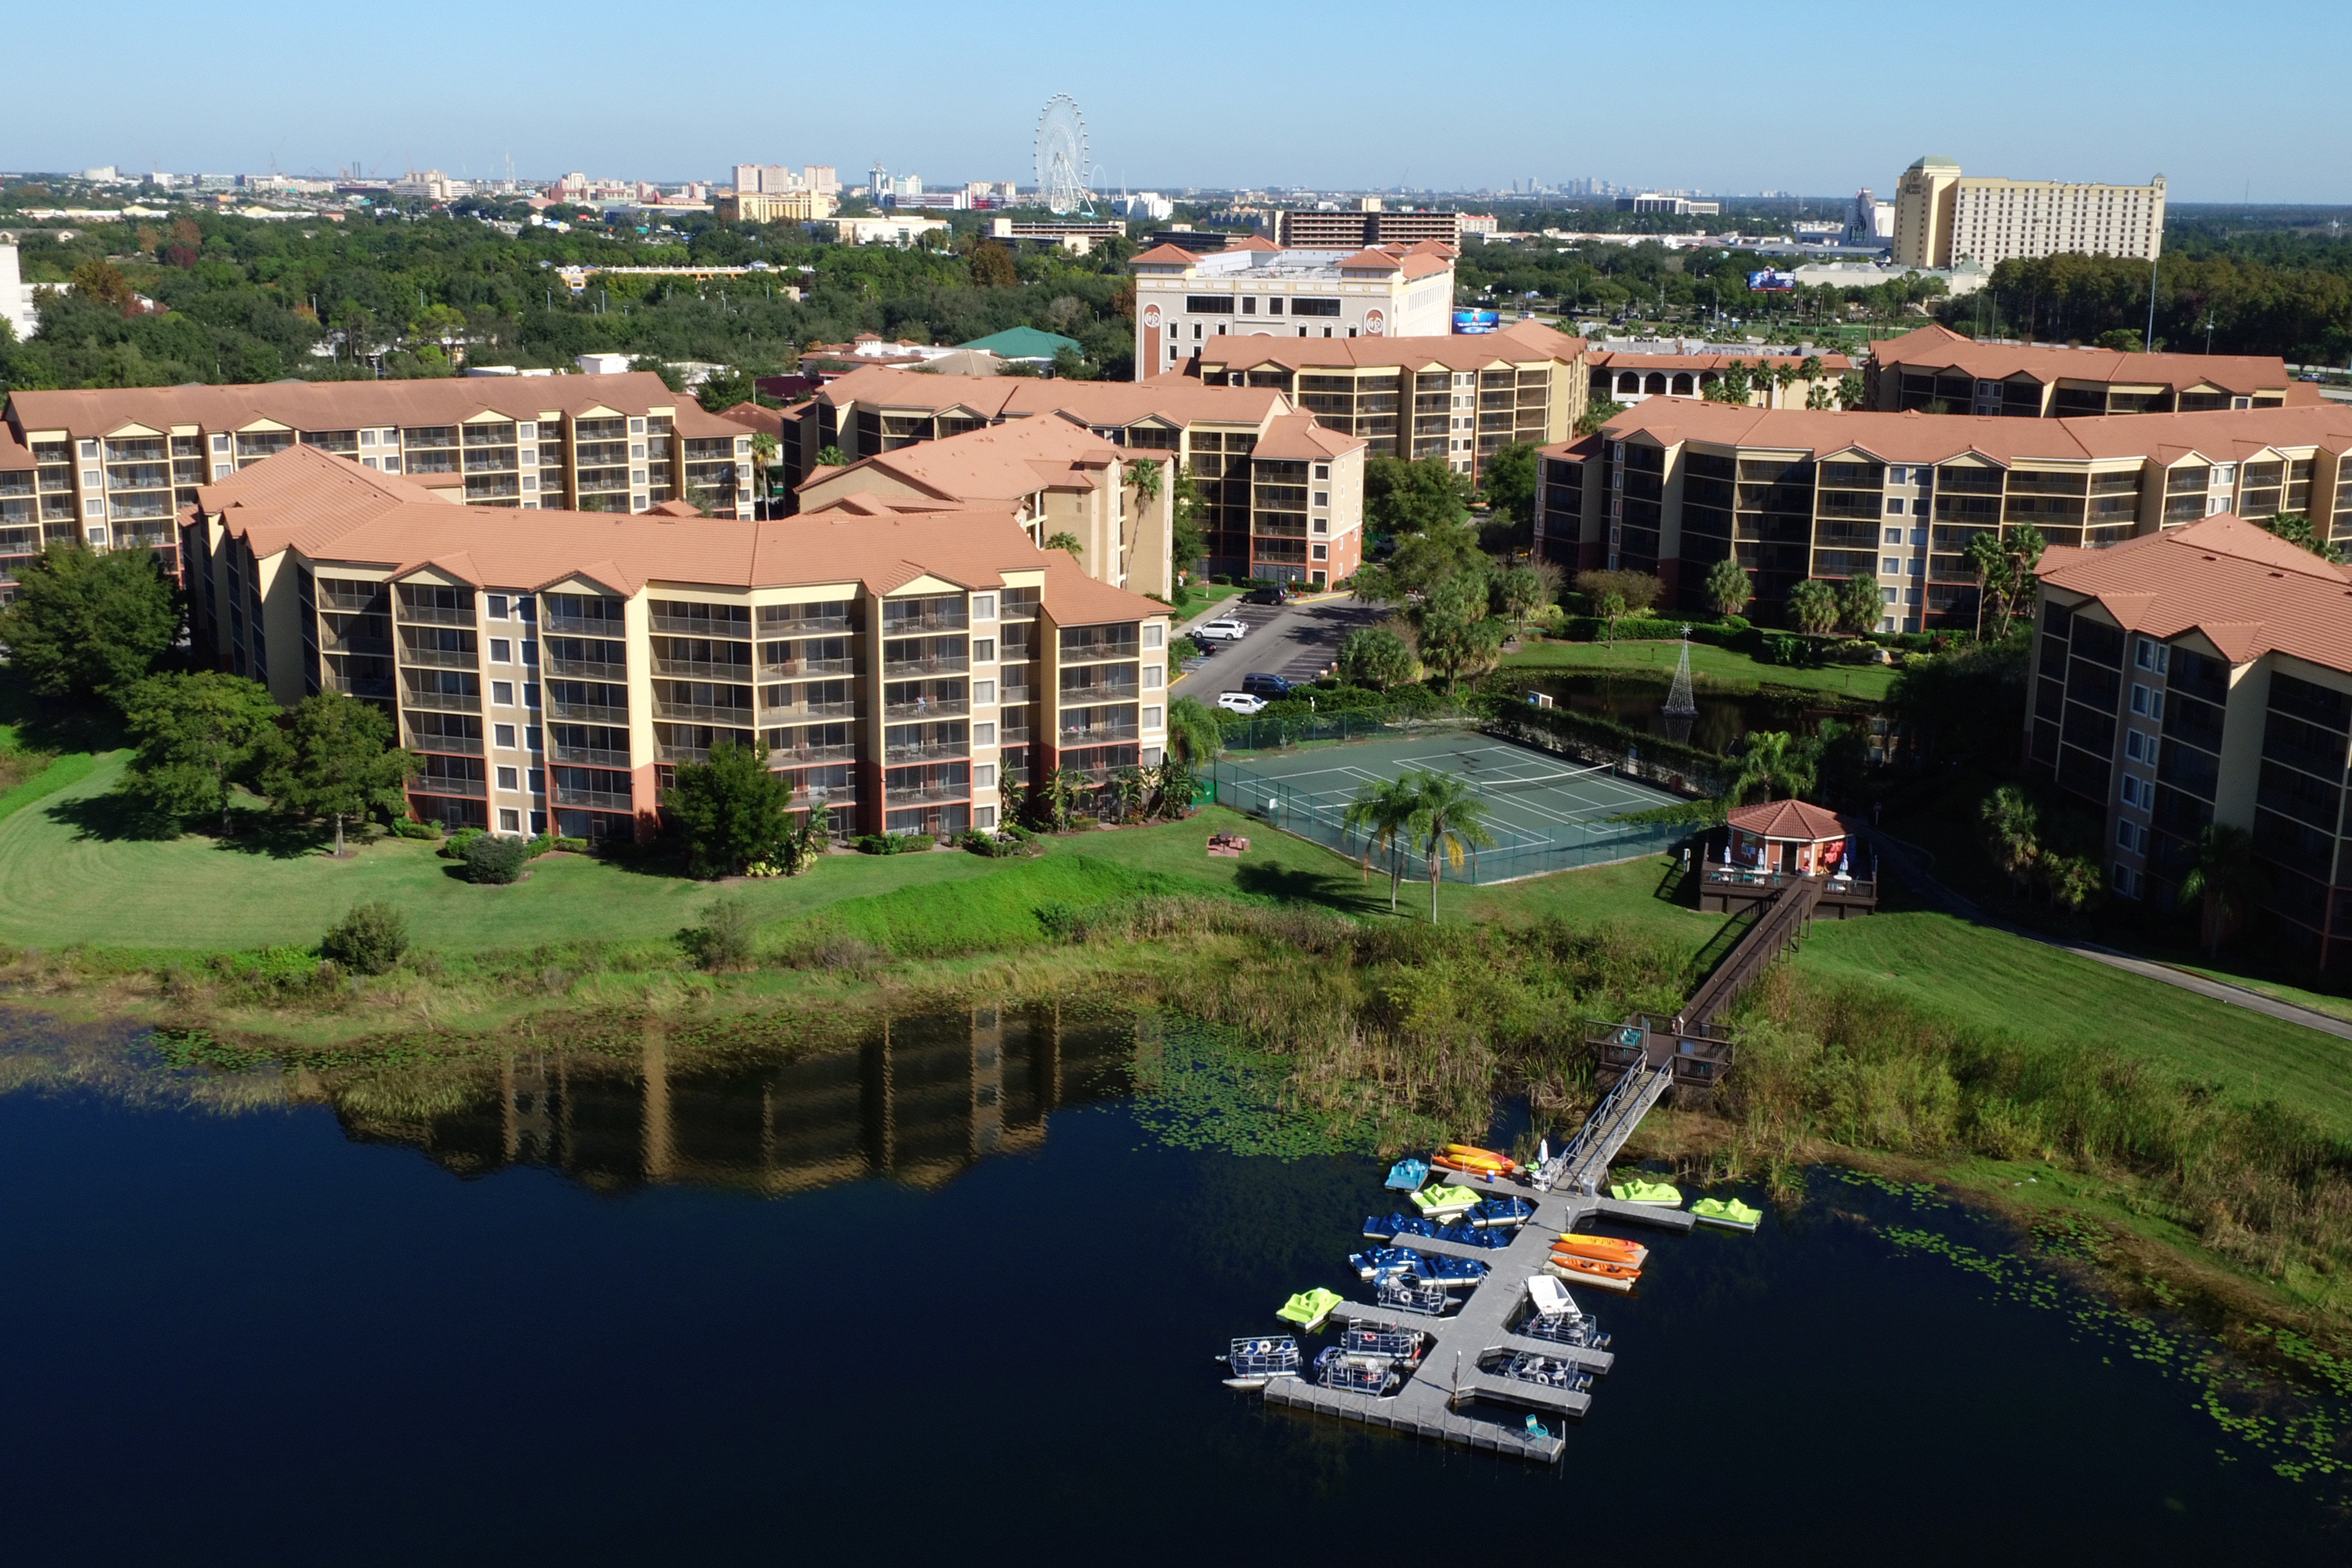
(1545,813)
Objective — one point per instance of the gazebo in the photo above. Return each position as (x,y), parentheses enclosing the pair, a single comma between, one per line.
(1767,847)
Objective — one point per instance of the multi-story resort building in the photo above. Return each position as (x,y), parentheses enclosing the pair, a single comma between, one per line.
(552,669)
(1774,380)
(1369,222)
(2203,674)
(1672,487)
(112,468)
(1258,289)
(1275,500)
(1942,216)
(1460,397)
(1936,370)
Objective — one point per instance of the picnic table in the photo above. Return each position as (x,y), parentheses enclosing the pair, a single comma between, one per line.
(1229,845)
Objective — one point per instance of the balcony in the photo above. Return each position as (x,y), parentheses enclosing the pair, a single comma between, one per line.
(439,658)
(597,799)
(583,755)
(935,621)
(491,488)
(704,669)
(936,665)
(1268,529)
(1075,735)
(1101,692)
(666,752)
(926,751)
(810,710)
(433,702)
(805,669)
(357,643)
(1088,650)
(1015,696)
(946,708)
(919,794)
(701,713)
(1013,733)
(460,744)
(700,626)
(810,755)
(440,784)
(435,615)
(377,688)
(805,626)
(586,713)
(603,670)
(581,625)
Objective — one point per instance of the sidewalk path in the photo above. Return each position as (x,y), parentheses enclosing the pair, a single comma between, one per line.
(1909,862)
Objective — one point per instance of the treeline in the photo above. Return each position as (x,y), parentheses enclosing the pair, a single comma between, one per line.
(1595,278)
(237,299)
(2224,303)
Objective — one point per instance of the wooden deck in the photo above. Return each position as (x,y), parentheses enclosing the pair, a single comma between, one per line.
(1728,889)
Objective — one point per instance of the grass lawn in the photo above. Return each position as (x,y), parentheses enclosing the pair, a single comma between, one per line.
(1720,669)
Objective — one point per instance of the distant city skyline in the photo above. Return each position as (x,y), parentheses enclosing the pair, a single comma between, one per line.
(1727,99)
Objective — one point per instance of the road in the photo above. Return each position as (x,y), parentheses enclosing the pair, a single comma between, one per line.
(1295,641)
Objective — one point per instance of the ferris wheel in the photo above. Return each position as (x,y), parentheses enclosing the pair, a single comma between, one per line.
(1062,155)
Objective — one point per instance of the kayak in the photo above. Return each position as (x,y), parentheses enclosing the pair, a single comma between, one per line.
(1406,1174)
(1480,1156)
(1604,1249)
(1308,1309)
(1466,1167)
(1574,1269)
(1597,1268)
(1442,1202)
(1727,1212)
(1640,1191)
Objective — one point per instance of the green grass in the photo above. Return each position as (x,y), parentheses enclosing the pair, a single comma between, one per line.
(71,767)
(1718,669)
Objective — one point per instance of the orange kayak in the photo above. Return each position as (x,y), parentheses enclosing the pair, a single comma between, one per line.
(1604,1249)
(1482,1156)
(1595,1268)
(1576,1271)
(1466,1167)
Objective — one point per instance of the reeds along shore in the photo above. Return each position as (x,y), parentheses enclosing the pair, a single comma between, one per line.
(1408,1032)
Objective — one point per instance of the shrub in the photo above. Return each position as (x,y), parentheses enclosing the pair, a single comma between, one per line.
(724,940)
(404,827)
(495,861)
(454,849)
(572,846)
(540,845)
(892,843)
(369,940)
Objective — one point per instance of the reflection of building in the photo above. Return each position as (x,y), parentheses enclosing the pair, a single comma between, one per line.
(921,1102)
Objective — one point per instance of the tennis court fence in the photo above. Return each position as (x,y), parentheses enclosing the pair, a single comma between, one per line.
(1297,812)
(1269,733)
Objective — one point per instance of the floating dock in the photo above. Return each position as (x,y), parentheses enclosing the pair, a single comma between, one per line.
(1447,1397)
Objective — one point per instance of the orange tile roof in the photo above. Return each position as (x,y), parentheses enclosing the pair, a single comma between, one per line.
(751,416)
(2248,591)
(1937,348)
(1458,352)
(1369,260)
(1254,242)
(1798,820)
(1296,437)
(345,405)
(1181,400)
(14,454)
(298,499)
(1166,256)
(1605,359)
(1001,463)
(2222,435)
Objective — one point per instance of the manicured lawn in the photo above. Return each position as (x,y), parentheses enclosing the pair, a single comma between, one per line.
(1720,668)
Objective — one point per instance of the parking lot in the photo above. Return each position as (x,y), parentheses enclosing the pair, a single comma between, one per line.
(1297,642)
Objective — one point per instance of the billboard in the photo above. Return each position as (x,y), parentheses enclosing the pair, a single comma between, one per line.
(1760,281)
(1477,320)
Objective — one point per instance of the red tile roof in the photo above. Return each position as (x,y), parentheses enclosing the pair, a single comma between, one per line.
(999,464)
(1939,348)
(1180,400)
(345,405)
(1166,256)
(1788,819)
(1296,437)
(2248,591)
(1517,344)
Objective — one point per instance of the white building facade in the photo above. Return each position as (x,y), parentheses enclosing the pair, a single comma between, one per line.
(1258,289)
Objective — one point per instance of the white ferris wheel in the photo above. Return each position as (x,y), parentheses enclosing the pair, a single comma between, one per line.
(1062,155)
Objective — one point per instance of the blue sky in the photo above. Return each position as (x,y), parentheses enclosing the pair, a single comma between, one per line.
(1818,97)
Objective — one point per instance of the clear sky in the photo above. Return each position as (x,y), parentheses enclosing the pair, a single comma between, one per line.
(1815,96)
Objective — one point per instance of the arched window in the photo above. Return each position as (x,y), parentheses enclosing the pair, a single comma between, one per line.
(1655,383)
(1682,383)
(1629,382)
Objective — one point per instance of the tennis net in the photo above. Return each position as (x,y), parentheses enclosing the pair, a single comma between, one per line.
(1529,783)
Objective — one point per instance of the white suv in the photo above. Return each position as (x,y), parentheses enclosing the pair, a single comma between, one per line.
(1240,702)
(1224,630)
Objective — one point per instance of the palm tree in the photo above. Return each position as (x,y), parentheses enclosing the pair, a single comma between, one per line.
(2012,830)
(1192,731)
(1383,809)
(764,448)
(1449,818)
(1774,759)
(2225,877)
(1068,541)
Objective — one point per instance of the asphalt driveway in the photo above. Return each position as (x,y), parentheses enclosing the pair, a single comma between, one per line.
(1297,641)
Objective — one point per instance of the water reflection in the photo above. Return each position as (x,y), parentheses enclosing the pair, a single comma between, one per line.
(1640,703)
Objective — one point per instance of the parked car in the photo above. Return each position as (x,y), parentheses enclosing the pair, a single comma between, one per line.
(1224,629)
(1264,685)
(1266,596)
(1240,702)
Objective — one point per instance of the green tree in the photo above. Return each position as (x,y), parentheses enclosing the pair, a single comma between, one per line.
(1639,590)
(764,448)
(730,811)
(85,624)
(369,940)
(1456,636)
(103,283)
(1193,733)
(2012,833)
(1813,605)
(1185,545)
(1417,497)
(1068,541)
(1774,760)
(726,387)
(1597,414)
(1375,658)
(1728,589)
(197,736)
(1850,394)
(2225,879)
(339,761)
(1071,365)
(1859,604)
(2004,563)
(1523,590)
(1510,476)
(1383,810)
(654,365)
(831,456)
(2297,530)
(1449,819)
(991,266)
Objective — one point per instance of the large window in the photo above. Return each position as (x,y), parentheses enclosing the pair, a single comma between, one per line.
(1209,303)
(1313,308)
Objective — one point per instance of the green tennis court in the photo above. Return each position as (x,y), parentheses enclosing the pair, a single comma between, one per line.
(1534,802)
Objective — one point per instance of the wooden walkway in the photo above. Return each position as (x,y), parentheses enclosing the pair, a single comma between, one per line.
(1781,920)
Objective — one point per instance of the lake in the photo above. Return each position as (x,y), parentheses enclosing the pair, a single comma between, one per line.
(1639,702)
(955,1292)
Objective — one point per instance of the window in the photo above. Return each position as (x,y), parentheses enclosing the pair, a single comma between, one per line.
(1249,304)
(1207,304)
(1321,552)
(1322,497)
(528,430)
(1274,306)
(637,427)
(502,650)
(983,691)
(1322,470)
(2135,746)
(530,693)
(1910,596)
(1893,536)
(1313,308)
(983,816)
(1154,676)
(2131,797)
(984,607)
(1153,718)
(983,776)
(983,650)
(509,778)
(2150,656)
(1894,476)
(1895,506)
(1889,594)
(502,735)
(503,692)
(531,737)
(1890,566)
(1918,536)
(1920,507)
(510,820)
(1155,635)
(983,734)
(498,606)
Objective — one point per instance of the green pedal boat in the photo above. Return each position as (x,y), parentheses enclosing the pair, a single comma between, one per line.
(1664,1194)
(1727,1212)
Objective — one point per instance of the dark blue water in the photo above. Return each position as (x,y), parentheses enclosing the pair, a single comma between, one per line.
(252,1339)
